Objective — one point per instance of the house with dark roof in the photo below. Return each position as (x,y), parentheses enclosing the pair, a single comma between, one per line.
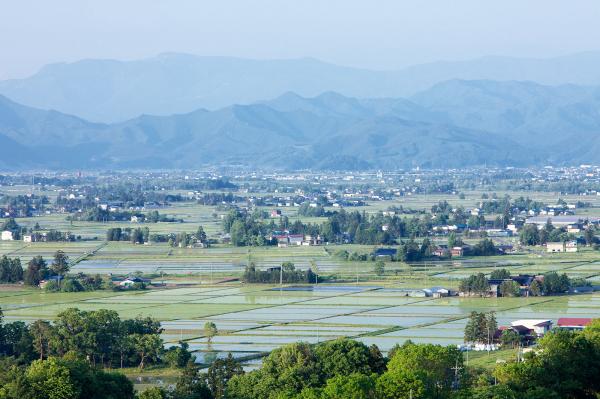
(382,252)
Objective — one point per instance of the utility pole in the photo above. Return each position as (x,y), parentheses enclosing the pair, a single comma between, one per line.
(456,369)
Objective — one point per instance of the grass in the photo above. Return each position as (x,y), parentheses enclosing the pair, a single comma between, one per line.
(489,360)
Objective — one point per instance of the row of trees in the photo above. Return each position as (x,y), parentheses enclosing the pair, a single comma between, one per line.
(551,283)
(286,273)
(532,235)
(138,235)
(99,336)
(11,270)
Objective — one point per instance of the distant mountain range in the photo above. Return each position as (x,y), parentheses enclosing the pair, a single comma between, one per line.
(452,124)
(114,91)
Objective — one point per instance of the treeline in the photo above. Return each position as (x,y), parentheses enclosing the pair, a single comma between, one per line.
(97,214)
(23,205)
(532,235)
(138,235)
(213,199)
(11,271)
(286,273)
(551,283)
(99,336)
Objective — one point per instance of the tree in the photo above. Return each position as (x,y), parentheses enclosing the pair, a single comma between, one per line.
(500,274)
(529,235)
(554,283)
(10,270)
(41,332)
(352,386)
(60,264)
(238,233)
(48,379)
(210,330)
(147,346)
(190,385)
(565,366)
(589,236)
(400,384)
(219,373)
(475,284)
(510,288)
(454,241)
(37,270)
(379,268)
(201,235)
(480,327)
(535,288)
(510,338)
(179,357)
(153,393)
(432,365)
(343,356)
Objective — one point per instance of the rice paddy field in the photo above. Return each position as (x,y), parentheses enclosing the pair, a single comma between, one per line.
(254,319)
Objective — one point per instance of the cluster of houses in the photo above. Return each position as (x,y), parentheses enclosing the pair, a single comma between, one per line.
(285,239)
(531,329)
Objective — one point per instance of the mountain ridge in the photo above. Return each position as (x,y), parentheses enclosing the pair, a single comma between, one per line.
(114,91)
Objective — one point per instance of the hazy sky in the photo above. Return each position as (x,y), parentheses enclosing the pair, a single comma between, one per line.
(381,34)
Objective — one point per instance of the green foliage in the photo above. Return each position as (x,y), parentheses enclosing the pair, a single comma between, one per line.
(484,247)
(288,274)
(566,365)
(529,235)
(219,373)
(499,274)
(475,284)
(481,327)
(153,393)
(349,386)
(554,283)
(191,385)
(510,288)
(11,270)
(210,330)
(379,268)
(427,367)
(60,264)
(37,270)
(343,357)
(179,357)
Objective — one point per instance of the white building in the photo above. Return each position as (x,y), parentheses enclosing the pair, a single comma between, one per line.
(7,235)
(538,326)
(554,247)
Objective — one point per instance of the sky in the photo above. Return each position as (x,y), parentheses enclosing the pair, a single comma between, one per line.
(375,34)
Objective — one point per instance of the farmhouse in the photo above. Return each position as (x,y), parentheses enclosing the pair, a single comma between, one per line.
(383,252)
(535,326)
(573,323)
(275,213)
(554,247)
(458,251)
(131,281)
(524,281)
